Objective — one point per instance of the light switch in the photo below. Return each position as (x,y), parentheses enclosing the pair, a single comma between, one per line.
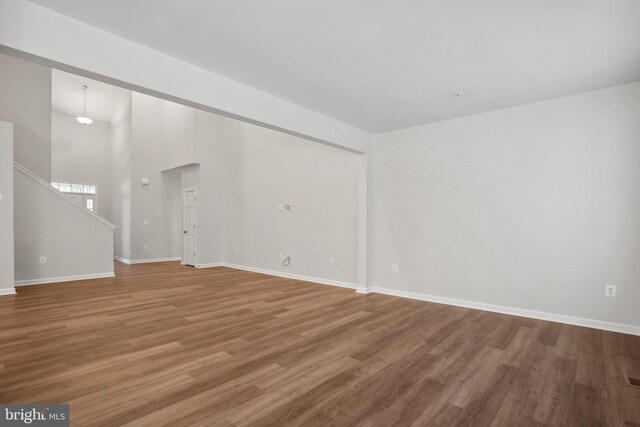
(144,181)
(0,197)
(146,221)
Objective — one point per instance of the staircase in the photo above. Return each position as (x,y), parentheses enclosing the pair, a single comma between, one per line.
(56,239)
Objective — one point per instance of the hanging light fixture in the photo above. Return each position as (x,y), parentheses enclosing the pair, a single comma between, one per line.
(83,118)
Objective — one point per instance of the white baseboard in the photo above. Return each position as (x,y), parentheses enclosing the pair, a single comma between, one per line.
(146,261)
(541,315)
(47,280)
(294,276)
(364,290)
(282,274)
(7,291)
(210,265)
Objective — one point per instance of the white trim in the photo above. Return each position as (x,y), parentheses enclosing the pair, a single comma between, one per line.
(7,291)
(364,290)
(292,276)
(146,261)
(541,315)
(213,264)
(48,186)
(64,279)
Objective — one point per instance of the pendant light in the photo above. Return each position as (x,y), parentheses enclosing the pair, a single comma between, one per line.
(83,118)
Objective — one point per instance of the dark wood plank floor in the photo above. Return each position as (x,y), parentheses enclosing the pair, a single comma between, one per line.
(165,344)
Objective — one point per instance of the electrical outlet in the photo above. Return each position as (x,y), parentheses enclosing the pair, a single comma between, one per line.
(146,247)
(43,260)
(394,268)
(237,251)
(332,261)
(146,222)
(610,290)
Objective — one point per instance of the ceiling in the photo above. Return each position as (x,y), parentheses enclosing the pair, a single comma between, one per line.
(381,65)
(67,97)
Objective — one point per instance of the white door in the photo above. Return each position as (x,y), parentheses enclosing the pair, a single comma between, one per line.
(91,203)
(189,228)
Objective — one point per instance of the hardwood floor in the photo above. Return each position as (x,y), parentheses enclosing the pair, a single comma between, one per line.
(164,344)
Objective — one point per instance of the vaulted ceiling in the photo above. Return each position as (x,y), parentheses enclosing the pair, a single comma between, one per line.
(381,65)
(67,96)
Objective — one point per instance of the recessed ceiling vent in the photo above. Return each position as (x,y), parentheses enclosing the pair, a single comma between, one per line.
(632,378)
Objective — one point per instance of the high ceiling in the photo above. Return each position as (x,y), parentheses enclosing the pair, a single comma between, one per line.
(67,96)
(381,65)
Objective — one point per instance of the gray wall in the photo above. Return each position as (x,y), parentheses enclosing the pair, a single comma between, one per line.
(243,173)
(171,181)
(25,101)
(213,146)
(47,224)
(267,169)
(81,154)
(120,178)
(178,139)
(6,208)
(156,239)
(535,207)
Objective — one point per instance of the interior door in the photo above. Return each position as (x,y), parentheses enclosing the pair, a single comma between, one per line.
(189,228)
(89,201)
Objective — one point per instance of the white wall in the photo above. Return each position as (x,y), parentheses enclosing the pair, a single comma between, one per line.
(243,173)
(47,224)
(267,169)
(178,139)
(214,151)
(25,101)
(6,208)
(150,138)
(81,154)
(156,239)
(535,207)
(120,178)
(172,213)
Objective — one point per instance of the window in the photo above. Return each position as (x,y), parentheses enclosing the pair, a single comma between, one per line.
(83,194)
(65,187)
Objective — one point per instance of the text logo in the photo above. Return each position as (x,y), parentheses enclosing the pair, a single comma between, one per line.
(34,415)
